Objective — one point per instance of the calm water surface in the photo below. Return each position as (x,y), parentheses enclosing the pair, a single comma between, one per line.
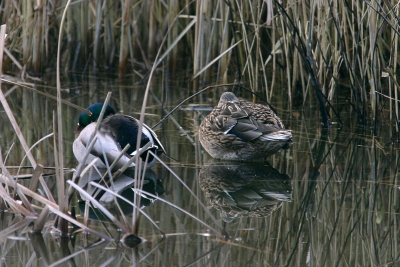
(331,200)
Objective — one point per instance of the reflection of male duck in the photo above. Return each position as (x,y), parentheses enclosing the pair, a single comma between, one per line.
(244,189)
(114,133)
(241,130)
(122,186)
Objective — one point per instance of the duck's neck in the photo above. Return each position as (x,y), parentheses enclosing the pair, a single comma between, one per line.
(78,130)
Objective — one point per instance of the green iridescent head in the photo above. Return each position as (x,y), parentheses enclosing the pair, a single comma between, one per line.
(85,119)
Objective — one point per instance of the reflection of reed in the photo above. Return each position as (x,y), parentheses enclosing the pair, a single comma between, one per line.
(122,186)
(239,189)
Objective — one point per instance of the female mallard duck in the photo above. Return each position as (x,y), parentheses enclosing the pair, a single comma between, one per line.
(241,189)
(241,130)
(114,133)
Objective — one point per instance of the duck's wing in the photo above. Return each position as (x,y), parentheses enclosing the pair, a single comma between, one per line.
(248,129)
(107,148)
(262,114)
(147,135)
(240,121)
(104,147)
(124,130)
(225,117)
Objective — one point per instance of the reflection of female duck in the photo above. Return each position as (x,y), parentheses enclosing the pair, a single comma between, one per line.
(114,133)
(241,130)
(244,189)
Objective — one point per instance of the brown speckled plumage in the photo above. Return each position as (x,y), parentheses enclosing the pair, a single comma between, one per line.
(241,189)
(241,130)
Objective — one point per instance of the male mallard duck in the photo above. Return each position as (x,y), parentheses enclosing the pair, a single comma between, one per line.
(115,132)
(241,130)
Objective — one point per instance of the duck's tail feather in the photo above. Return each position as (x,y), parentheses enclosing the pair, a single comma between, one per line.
(282,135)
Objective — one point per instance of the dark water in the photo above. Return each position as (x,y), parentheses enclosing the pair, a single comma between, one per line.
(331,200)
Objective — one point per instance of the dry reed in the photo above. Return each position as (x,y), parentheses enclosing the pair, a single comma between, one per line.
(324,53)
(333,50)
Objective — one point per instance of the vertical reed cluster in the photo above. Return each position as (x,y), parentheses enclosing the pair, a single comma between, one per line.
(325,50)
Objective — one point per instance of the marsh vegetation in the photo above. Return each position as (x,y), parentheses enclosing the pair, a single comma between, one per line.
(329,69)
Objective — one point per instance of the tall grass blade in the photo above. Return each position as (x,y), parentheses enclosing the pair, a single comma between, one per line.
(40,248)
(68,258)
(129,202)
(12,229)
(37,172)
(100,207)
(173,44)
(7,107)
(192,193)
(215,60)
(30,149)
(30,87)
(222,236)
(41,220)
(15,206)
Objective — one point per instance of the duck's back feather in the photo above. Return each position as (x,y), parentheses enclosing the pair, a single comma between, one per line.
(124,130)
(241,130)
(115,133)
